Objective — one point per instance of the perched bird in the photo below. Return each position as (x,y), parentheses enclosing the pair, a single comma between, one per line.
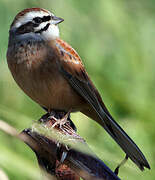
(51,72)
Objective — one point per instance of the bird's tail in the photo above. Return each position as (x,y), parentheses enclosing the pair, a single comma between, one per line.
(120,136)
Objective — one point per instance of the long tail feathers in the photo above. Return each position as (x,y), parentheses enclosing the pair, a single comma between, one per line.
(125,142)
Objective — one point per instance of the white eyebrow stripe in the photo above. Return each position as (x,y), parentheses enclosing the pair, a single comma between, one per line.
(29,17)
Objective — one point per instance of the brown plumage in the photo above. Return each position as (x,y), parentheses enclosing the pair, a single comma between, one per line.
(51,72)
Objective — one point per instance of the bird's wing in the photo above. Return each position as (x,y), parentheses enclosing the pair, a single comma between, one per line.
(73,70)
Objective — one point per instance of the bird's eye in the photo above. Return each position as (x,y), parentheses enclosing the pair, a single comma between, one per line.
(46,18)
(38,20)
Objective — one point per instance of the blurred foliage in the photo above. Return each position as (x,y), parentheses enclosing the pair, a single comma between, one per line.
(116,42)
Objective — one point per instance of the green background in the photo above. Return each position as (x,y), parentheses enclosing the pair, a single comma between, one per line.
(116,40)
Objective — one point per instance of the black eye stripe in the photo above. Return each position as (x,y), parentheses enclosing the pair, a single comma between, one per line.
(25,28)
(39,20)
(30,25)
(46,18)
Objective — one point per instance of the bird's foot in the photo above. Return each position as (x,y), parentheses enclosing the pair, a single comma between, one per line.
(59,122)
(63,120)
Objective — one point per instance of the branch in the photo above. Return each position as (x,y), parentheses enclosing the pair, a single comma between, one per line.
(62,154)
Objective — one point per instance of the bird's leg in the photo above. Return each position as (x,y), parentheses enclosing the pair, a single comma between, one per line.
(52,115)
(63,120)
(121,164)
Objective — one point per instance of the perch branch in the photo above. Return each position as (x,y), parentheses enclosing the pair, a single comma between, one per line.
(60,151)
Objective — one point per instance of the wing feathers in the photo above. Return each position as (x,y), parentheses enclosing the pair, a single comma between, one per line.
(79,80)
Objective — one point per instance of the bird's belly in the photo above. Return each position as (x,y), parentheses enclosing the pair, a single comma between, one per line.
(57,94)
(50,90)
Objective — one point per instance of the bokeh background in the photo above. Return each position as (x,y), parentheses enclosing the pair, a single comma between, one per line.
(116,40)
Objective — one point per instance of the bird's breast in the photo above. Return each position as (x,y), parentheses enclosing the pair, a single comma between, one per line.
(38,75)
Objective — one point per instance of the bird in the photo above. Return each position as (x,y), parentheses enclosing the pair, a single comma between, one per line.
(52,74)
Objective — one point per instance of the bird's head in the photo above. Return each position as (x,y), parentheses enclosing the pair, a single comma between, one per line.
(38,21)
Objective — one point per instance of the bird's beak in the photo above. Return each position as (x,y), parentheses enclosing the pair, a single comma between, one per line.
(56,20)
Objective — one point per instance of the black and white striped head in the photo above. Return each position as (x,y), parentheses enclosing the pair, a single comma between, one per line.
(37,20)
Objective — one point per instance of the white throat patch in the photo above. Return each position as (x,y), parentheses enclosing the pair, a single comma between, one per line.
(51,33)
